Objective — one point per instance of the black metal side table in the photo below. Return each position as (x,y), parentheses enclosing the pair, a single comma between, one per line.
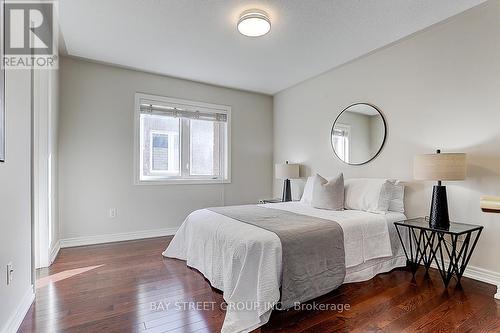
(451,249)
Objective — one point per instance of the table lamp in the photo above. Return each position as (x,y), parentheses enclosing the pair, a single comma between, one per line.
(490,204)
(286,172)
(446,166)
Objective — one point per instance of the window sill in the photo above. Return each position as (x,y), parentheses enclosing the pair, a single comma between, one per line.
(182,182)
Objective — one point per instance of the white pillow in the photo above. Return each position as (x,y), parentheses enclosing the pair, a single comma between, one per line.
(308,192)
(396,204)
(328,194)
(368,194)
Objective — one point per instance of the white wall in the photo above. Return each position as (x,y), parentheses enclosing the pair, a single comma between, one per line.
(437,89)
(96,151)
(15,202)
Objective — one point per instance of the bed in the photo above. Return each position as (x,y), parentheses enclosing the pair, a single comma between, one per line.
(245,261)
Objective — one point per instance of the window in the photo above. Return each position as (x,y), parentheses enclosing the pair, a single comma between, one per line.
(164,152)
(179,141)
(341,141)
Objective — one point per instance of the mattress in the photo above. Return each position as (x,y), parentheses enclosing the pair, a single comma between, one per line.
(244,261)
(368,269)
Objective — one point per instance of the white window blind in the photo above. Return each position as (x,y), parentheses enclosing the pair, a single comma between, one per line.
(183,112)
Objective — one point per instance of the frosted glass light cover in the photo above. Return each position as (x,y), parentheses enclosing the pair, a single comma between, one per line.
(254,23)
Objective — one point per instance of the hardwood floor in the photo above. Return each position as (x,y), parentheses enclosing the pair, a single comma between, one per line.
(121,287)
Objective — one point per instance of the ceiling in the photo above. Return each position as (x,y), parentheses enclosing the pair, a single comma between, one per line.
(198,39)
(363,109)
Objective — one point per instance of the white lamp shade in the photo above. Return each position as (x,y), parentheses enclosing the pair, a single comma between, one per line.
(490,203)
(286,171)
(444,166)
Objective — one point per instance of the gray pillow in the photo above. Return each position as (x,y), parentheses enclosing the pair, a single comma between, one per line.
(328,194)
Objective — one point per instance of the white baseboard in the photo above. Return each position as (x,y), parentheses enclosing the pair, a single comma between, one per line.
(484,275)
(54,251)
(15,320)
(481,274)
(124,236)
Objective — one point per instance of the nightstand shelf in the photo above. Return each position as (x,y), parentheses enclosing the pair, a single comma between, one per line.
(450,249)
(266,201)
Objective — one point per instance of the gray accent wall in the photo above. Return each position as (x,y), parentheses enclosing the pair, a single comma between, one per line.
(440,88)
(15,200)
(96,151)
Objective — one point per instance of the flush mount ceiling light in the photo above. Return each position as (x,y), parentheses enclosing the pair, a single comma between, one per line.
(254,23)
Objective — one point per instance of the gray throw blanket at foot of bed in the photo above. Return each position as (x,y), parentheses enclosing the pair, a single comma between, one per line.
(313,257)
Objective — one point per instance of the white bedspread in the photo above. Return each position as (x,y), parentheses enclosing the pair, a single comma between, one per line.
(244,261)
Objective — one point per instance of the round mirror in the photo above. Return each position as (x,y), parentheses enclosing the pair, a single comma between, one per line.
(358,134)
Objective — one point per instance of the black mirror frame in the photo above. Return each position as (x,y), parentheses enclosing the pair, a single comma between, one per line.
(383,141)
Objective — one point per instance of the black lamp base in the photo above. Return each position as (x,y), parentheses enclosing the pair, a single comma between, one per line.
(287,193)
(439,217)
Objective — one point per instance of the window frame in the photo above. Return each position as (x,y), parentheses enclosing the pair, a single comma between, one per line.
(347,150)
(183,179)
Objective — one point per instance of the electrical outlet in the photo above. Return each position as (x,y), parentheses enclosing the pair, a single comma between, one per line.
(10,273)
(112,213)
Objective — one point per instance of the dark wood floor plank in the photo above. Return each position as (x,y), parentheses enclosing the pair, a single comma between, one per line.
(353,293)
(116,287)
